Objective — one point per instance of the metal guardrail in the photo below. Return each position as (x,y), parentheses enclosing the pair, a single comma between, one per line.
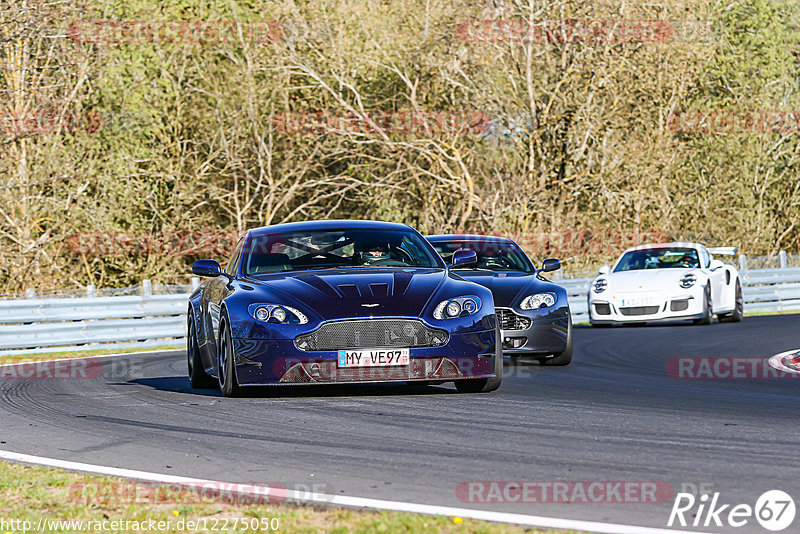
(60,324)
(50,324)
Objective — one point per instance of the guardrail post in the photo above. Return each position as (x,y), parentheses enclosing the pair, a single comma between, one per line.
(742,262)
(782,258)
(195,282)
(147,288)
(90,290)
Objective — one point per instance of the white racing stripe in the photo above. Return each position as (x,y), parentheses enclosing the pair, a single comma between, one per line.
(777,361)
(350,502)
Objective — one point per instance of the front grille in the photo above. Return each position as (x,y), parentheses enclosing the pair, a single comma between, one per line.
(679,305)
(419,368)
(372,333)
(510,320)
(639,310)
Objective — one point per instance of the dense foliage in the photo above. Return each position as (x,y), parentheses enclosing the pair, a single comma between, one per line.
(131,144)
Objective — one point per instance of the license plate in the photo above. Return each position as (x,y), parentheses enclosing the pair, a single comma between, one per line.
(373,357)
(638,301)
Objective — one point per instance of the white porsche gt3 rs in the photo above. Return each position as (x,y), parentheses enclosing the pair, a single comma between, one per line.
(667,282)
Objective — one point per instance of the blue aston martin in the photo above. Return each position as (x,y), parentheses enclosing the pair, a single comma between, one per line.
(340,302)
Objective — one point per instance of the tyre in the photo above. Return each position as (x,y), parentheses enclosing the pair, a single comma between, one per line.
(562,358)
(485,385)
(709,315)
(197,374)
(226,368)
(738,311)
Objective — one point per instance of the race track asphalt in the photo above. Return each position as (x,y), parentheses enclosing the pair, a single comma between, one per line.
(618,413)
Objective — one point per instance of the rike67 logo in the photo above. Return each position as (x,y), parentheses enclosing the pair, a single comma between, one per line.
(774,510)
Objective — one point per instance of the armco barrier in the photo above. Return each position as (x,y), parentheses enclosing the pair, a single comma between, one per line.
(55,324)
(38,325)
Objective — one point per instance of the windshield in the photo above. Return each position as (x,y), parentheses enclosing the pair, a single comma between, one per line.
(325,249)
(492,255)
(658,258)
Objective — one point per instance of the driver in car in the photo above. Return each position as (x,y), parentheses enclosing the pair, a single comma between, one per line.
(688,261)
(375,253)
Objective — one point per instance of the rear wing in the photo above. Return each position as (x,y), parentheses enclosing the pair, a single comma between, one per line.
(723,251)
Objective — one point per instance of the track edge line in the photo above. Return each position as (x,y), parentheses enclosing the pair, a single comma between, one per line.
(353,502)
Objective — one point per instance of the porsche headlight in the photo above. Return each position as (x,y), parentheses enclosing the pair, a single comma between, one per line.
(600,285)
(687,281)
(457,307)
(538,300)
(277,314)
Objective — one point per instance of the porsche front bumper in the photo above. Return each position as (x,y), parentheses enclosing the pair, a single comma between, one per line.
(646,307)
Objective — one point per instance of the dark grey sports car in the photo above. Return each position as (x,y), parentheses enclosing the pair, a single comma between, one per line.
(533,312)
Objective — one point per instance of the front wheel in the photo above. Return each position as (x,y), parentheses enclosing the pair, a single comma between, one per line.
(561,358)
(485,385)
(708,314)
(197,375)
(226,369)
(738,312)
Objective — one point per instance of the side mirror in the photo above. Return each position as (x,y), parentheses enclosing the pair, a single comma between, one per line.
(209,268)
(715,264)
(605,269)
(464,258)
(550,265)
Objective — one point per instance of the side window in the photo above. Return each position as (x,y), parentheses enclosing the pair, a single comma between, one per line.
(445,251)
(231,265)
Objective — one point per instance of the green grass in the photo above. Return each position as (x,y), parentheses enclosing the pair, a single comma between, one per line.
(758,314)
(29,493)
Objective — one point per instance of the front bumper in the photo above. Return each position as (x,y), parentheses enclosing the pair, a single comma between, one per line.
(652,307)
(280,362)
(547,333)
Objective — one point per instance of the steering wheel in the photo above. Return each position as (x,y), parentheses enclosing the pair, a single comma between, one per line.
(406,256)
(499,262)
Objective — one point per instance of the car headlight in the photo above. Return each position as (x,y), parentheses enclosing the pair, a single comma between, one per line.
(457,307)
(277,314)
(600,285)
(687,280)
(538,300)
